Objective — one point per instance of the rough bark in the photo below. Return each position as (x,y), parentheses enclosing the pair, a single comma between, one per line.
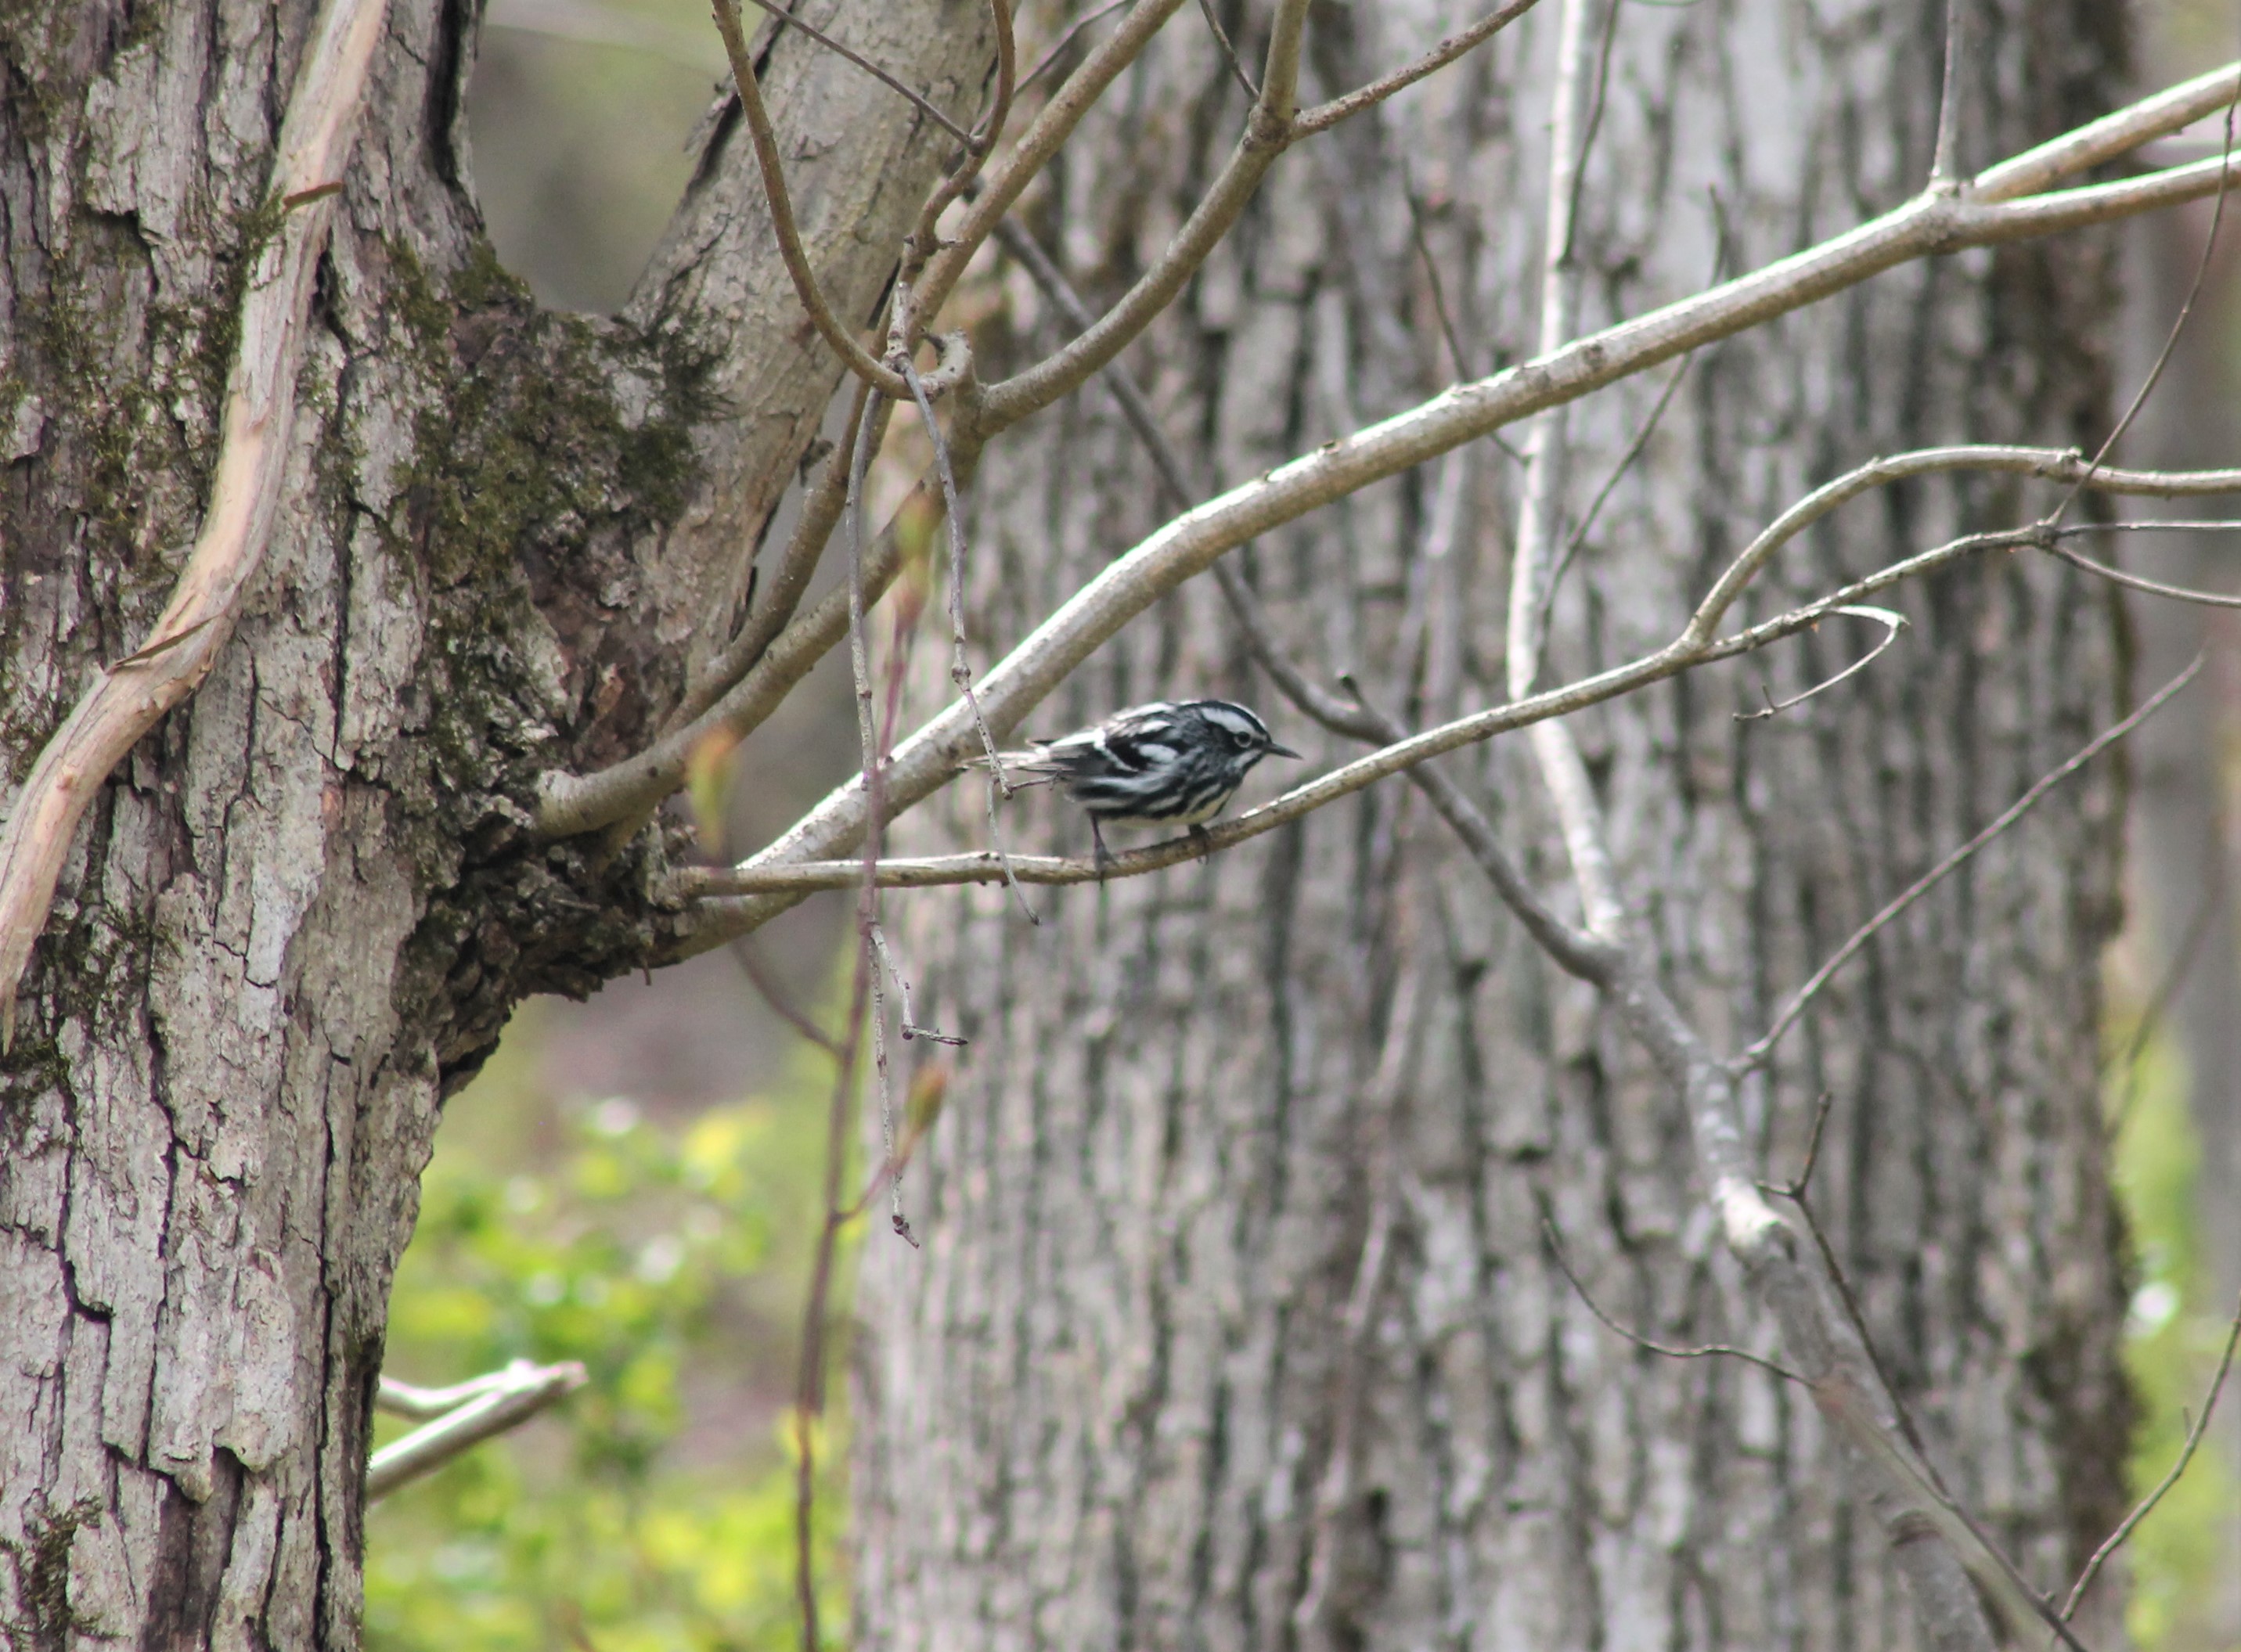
(1235,1323)
(296,919)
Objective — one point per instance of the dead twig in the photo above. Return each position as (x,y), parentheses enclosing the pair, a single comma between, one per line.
(917,100)
(1892,622)
(1057,47)
(1706,1351)
(2201,1426)
(1228,51)
(1756,1053)
(1322,117)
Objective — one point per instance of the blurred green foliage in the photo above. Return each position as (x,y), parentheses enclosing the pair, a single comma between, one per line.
(2174,1334)
(653,1508)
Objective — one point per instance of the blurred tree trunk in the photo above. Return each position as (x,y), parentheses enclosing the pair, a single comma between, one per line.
(1236,1324)
(2183,857)
(298,914)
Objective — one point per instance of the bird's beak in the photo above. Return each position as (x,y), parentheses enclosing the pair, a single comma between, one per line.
(1275,750)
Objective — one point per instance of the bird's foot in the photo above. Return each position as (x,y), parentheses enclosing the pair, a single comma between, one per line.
(1205,843)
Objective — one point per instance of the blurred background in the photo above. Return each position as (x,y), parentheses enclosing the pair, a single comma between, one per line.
(633,1182)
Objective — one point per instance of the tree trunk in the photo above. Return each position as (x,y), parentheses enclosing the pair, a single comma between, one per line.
(1241,1320)
(296,917)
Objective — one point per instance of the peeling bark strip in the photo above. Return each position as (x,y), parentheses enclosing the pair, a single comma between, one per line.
(1120,1399)
(298,911)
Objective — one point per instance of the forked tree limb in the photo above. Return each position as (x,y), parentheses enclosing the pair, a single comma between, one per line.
(256,423)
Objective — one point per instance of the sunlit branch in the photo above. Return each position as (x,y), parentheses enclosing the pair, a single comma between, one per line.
(466,1415)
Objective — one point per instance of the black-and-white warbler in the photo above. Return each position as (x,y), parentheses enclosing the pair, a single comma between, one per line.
(1169,763)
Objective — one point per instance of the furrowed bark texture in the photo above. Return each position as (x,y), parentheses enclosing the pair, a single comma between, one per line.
(1235,1325)
(298,914)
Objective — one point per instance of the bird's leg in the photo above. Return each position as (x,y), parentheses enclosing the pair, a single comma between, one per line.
(1205,843)
(1104,854)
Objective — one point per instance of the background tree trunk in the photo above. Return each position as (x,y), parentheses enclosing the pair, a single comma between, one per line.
(296,917)
(1236,1323)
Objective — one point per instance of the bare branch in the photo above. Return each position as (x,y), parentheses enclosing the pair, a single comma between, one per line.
(844,344)
(467,1415)
(244,492)
(2134,582)
(1228,51)
(2051,464)
(1194,542)
(1892,623)
(1949,101)
(1005,182)
(2178,322)
(2116,1539)
(1057,47)
(1759,1052)
(1710,1350)
(918,101)
(912,311)
(805,547)
(2115,134)
(1322,117)
(781,874)
(1267,133)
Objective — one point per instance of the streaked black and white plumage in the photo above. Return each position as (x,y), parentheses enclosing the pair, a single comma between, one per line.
(1169,763)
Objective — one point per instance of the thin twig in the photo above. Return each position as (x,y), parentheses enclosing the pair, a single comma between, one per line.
(2179,323)
(1892,621)
(2134,582)
(1059,46)
(1758,1052)
(912,311)
(809,1378)
(1849,1299)
(773,996)
(1438,291)
(1710,1350)
(1228,51)
(1942,171)
(1795,1187)
(1578,536)
(960,669)
(918,101)
(2116,1539)
(787,232)
(1322,117)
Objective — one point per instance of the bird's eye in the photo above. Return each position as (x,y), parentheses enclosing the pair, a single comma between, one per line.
(1241,739)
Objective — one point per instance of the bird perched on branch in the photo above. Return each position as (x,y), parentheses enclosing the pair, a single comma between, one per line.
(1169,763)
